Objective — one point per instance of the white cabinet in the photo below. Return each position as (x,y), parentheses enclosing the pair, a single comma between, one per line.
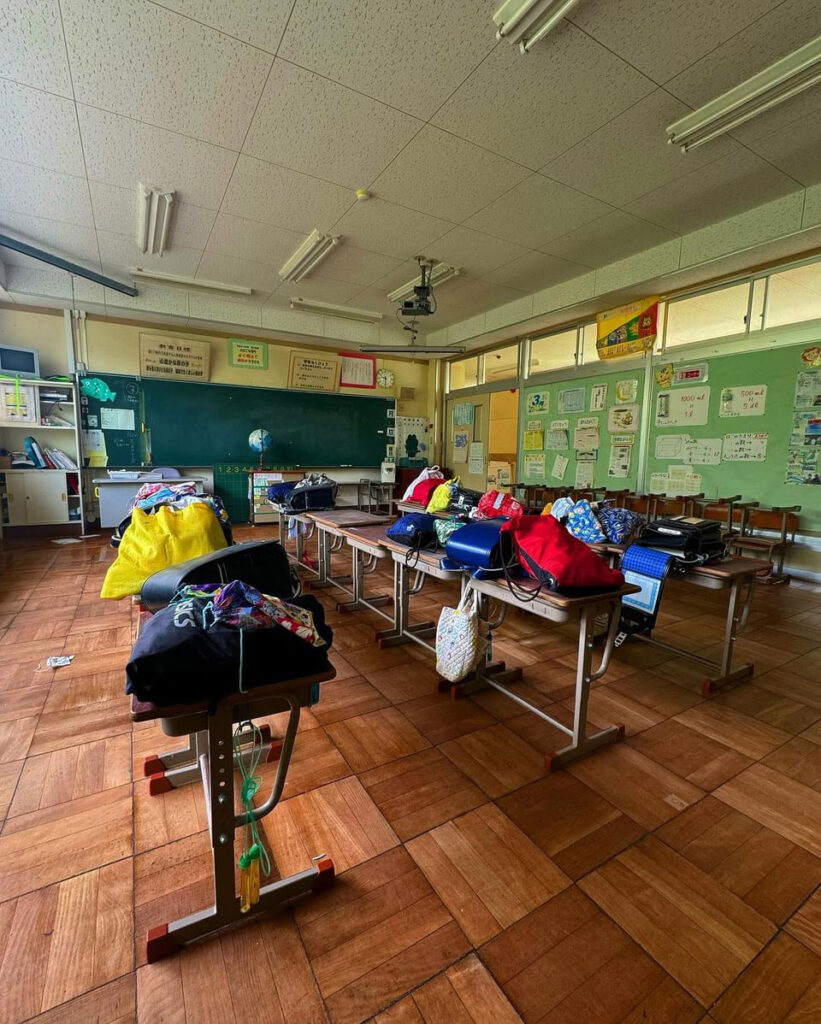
(36,497)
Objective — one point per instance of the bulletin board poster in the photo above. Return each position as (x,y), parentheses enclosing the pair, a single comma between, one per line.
(683,407)
(357,371)
(170,358)
(309,371)
(249,355)
(628,330)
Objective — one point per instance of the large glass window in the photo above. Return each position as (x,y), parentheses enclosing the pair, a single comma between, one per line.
(709,315)
(464,373)
(501,364)
(552,352)
(794,295)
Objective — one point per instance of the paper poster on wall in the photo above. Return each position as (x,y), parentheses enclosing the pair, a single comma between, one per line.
(534,467)
(560,424)
(500,473)
(802,466)
(620,457)
(806,429)
(622,439)
(533,440)
(623,418)
(557,440)
(116,419)
(685,407)
(586,432)
(411,435)
(462,414)
(461,441)
(585,472)
(587,455)
(535,425)
(357,370)
(598,398)
(627,390)
(743,401)
(700,451)
(628,329)
(249,355)
(94,442)
(538,401)
(808,389)
(311,372)
(174,358)
(571,400)
(560,464)
(744,448)
(662,483)
(476,464)
(696,373)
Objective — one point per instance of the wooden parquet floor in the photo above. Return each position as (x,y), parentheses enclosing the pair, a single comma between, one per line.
(673,878)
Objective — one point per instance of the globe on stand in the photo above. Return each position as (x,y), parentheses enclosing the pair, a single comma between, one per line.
(260,441)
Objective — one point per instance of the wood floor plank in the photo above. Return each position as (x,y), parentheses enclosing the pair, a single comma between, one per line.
(369,740)
(98,721)
(9,775)
(697,758)
(496,759)
(746,735)
(487,872)
(805,924)
(348,698)
(800,759)
(404,682)
(113,1003)
(701,933)
(440,719)
(789,808)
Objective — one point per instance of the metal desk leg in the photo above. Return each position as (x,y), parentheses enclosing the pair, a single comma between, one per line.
(216,764)
(401,631)
(182,767)
(738,611)
(358,571)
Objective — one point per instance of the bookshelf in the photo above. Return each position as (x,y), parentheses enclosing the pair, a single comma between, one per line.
(40,496)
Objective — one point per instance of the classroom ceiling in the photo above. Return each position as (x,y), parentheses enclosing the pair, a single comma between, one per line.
(266,115)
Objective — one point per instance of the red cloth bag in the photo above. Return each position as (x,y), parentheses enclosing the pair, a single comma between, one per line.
(557,559)
(496,504)
(424,489)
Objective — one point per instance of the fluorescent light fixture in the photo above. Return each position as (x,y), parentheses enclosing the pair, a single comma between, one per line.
(329,309)
(153,219)
(440,273)
(781,81)
(413,350)
(315,248)
(527,21)
(189,282)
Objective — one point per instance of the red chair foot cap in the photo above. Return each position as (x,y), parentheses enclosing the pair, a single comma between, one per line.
(153,766)
(274,752)
(265,733)
(158,784)
(622,728)
(159,944)
(325,874)
(551,763)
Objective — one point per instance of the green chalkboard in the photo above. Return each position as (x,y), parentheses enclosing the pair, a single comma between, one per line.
(763,481)
(123,447)
(589,385)
(201,424)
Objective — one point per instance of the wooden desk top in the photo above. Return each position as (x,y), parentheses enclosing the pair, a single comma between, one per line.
(500,589)
(728,569)
(414,506)
(372,535)
(347,517)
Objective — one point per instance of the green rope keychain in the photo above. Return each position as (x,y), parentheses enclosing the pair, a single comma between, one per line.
(254,856)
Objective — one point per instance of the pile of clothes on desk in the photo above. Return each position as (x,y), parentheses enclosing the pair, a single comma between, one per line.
(167,523)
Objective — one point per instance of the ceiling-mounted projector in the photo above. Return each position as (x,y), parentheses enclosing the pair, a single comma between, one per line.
(423,302)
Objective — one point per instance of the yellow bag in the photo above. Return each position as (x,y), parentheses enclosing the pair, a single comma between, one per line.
(153,542)
(440,499)
(547,509)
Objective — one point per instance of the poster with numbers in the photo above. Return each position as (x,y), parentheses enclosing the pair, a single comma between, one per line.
(684,407)
(744,448)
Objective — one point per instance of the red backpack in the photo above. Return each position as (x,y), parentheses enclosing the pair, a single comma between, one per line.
(496,504)
(557,559)
(424,489)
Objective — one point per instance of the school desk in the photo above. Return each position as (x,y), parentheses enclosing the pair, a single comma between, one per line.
(329,526)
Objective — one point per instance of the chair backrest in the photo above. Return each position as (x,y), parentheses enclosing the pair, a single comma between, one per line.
(784,519)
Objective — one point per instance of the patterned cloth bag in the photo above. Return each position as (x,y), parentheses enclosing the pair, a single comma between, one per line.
(582,523)
(459,645)
(619,524)
(445,527)
(560,508)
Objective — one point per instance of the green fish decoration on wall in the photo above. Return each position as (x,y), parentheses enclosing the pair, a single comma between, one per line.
(96,388)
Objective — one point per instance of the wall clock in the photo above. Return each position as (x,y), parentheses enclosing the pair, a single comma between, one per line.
(385,378)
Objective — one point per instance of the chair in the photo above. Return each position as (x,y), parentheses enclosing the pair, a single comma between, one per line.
(731,509)
(674,504)
(783,520)
(372,495)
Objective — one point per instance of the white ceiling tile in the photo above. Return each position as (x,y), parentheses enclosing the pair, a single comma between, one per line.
(150,298)
(661,38)
(713,192)
(796,148)
(441,174)
(511,313)
(473,251)
(32,50)
(394,230)
(603,166)
(232,270)
(41,280)
(398,276)
(662,259)
(765,222)
(43,193)
(609,238)
(475,294)
(320,127)
(250,240)
(534,271)
(533,108)
(289,199)
(115,209)
(123,152)
(141,60)
(258,22)
(38,128)
(410,56)
(121,252)
(219,309)
(357,266)
(789,25)
(577,289)
(812,207)
(70,241)
(537,210)
(374,298)
(322,289)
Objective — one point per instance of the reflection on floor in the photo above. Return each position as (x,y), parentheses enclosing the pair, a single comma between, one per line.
(673,877)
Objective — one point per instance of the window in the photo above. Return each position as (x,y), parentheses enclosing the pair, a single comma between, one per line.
(794,295)
(714,314)
(552,352)
(588,353)
(464,373)
(501,364)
